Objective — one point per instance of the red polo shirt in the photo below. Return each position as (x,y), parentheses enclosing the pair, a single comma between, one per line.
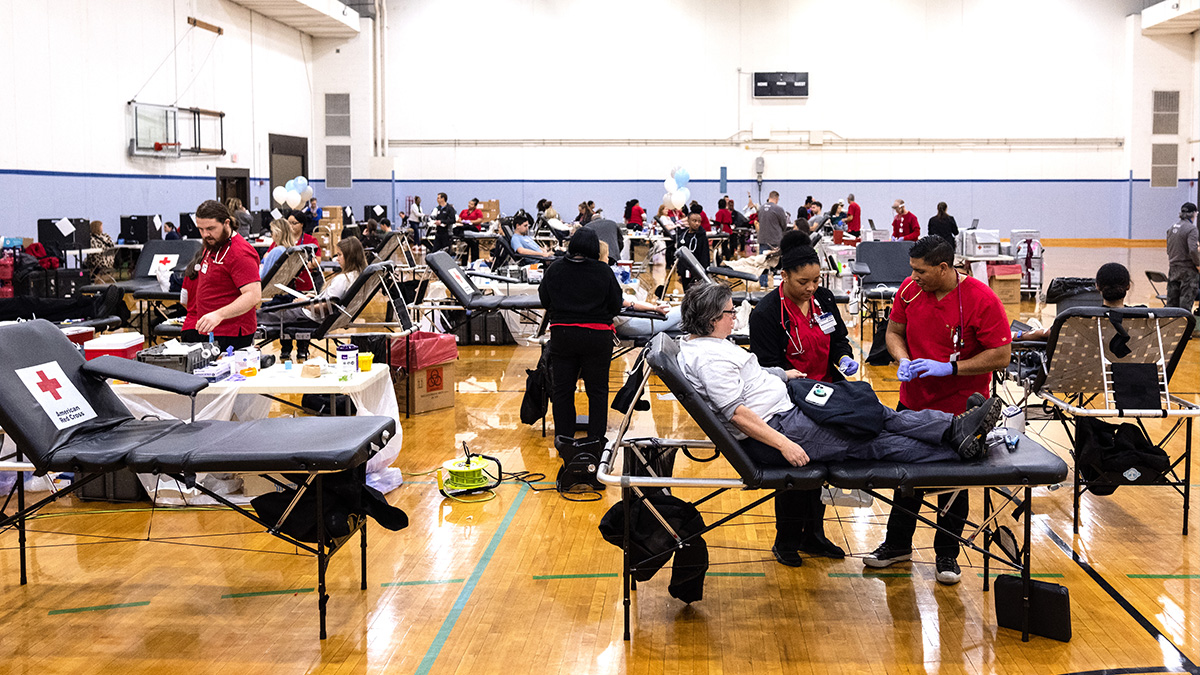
(855,224)
(222,276)
(931,326)
(189,285)
(637,215)
(906,227)
(724,218)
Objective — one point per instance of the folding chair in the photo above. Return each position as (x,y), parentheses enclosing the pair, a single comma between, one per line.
(1156,278)
(880,266)
(1103,362)
(468,296)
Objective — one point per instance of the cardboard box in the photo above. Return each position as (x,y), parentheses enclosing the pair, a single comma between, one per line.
(427,389)
(332,213)
(1007,287)
(491,209)
(981,242)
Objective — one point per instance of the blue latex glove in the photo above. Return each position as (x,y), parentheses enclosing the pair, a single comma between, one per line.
(848,366)
(903,373)
(930,368)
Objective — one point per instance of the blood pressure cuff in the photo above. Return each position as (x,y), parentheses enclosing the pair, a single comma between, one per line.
(853,408)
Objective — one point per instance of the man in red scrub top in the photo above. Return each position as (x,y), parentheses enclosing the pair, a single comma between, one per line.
(949,332)
(228,288)
(905,226)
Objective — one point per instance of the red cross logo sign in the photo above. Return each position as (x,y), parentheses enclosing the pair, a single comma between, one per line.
(166,261)
(50,385)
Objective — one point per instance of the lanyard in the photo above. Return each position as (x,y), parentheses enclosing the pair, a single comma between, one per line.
(789,326)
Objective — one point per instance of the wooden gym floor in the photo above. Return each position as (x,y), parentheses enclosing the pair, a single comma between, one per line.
(524,583)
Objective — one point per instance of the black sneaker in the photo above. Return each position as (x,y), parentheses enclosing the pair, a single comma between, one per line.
(785,557)
(886,555)
(968,432)
(975,400)
(948,572)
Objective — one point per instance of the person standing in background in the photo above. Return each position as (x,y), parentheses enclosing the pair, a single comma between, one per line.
(1183,276)
(772,221)
(905,226)
(854,219)
(241,217)
(943,225)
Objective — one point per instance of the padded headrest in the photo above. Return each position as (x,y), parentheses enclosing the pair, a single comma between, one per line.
(184,248)
(287,266)
(888,261)
(453,276)
(26,417)
(663,357)
(358,295)
(1080,334)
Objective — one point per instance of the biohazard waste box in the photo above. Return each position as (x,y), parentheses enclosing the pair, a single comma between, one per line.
(423,371)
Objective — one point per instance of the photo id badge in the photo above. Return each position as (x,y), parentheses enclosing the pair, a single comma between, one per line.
(827,322)
(204,267)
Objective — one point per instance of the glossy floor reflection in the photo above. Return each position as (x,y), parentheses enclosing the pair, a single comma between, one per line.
(523,583)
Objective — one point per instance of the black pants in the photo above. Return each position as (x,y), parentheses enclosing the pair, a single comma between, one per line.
(472,244)
(441,237)
(576,352)
(799,514)
(223,341)
(901,526)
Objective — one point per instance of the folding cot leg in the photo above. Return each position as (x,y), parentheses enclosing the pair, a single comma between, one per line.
(362,473)
(322,553)
(627,503)
(1187,474)
(987,537)
(1027,558)
(21,520)
(1076,490)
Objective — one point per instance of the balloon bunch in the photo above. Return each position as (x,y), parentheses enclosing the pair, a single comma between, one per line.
(294,193)
(678,195)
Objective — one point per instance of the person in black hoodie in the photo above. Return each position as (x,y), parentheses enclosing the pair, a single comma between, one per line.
(695,239)
(799,327)
(582,296)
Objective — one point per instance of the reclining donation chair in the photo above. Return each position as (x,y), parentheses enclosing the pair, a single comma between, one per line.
(63,416)
(687,260)
(1006,475)
(469,297)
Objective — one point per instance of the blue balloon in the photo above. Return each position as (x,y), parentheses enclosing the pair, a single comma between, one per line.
(682,177)
(290,186)
(301,183)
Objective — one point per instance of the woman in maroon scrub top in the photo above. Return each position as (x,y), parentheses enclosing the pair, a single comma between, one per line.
(799,327)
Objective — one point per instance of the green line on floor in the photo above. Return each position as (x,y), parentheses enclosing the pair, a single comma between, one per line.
(737,574)
(602,575)
(1035,575)
(422,583)
(868,575)
(256,594)
(1163,576)
(98,608)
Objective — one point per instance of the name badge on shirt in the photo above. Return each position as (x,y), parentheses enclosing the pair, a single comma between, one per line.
(204,267)
(827,322)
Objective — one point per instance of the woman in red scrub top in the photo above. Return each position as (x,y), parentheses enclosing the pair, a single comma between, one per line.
(799,327)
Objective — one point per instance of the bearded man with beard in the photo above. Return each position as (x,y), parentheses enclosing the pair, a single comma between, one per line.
(227,287)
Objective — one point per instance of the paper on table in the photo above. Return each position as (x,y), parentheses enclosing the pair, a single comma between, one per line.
(275,214)
(158,222)
(378,210)
(65,226)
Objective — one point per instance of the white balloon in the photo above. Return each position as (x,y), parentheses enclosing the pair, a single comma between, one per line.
(669,185)
(687,195)
(280,194)
(677,200)
(667,200)
(307,194)
(293,199)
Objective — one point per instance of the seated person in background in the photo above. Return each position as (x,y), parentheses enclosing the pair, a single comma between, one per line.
(695,240)
(1113,282)
(313,211)
(371,236)
(471,219)
(522,242)
(241,217)
(629,327)
(170,231)
(102,262)
(754,402)
(353,261)
(283,237)
(298,221)
(817,220)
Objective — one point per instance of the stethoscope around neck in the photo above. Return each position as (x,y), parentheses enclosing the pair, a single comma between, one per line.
(785,321)
(957,338)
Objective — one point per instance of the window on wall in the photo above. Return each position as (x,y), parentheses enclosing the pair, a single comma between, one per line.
(1164,165)
(337,114)
(1166,112)
(337,166)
